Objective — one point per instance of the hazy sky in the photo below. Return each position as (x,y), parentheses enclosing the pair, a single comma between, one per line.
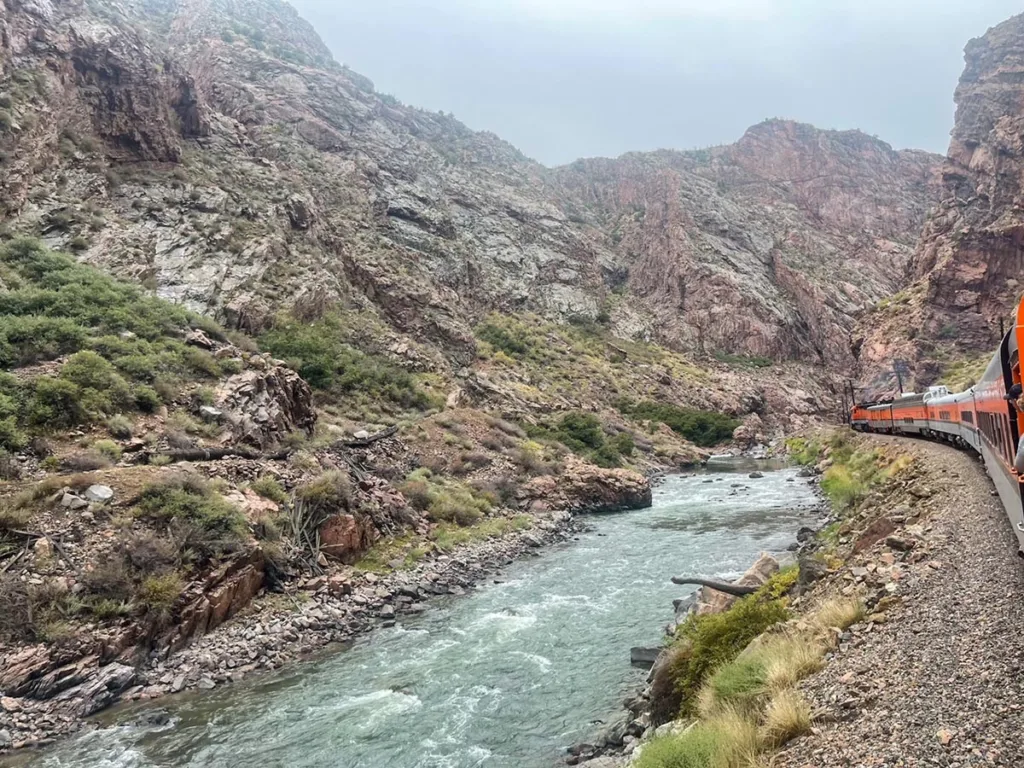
(563,79)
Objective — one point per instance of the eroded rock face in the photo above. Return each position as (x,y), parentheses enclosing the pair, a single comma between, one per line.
(966,268)
(583,487)
(377,510)
(217,598)
(263,405)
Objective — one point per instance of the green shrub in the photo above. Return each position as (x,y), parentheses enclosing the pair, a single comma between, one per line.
(327,494)
(750,361)
(109,449)
(501,338)
(158,595)
(709,641)
(201,518)
(727,740)
(740,682)
(583,434)
(120,427)
(268,487)
(803,451)
(446,500)
(146,399)
(417,493)
(121,342)
(703,428)
(319,352)
(55,404)
(11,438)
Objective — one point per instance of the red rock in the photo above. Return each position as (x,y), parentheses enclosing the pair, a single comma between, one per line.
(346,537)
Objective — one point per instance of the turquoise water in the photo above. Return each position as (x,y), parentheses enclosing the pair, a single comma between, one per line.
(507,676)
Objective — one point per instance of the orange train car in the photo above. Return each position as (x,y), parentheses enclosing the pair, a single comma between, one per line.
(984,418)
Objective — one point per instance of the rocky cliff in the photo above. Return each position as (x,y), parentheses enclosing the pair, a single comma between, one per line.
(766,247)
(964,274)
(215,152)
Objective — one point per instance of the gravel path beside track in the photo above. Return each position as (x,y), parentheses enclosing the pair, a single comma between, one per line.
(941,682)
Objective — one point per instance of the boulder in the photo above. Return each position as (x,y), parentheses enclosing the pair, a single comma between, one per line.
(105,687)
(811,570)
(209,413)
(713,601)
(643,657)
(346,537)
(874,533)
(99,494)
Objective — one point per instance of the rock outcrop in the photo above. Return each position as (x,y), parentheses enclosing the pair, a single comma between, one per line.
(583,487)
(965,272)
(265,404)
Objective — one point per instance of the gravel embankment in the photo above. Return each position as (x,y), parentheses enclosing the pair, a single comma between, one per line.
(941,681)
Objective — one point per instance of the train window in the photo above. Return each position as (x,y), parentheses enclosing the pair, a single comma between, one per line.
(908,420)
(967,416)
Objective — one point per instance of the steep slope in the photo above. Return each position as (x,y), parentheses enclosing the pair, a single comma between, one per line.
(767,247)
(965,272)
(214,152)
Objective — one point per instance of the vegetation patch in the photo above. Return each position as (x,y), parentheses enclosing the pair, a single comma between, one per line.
(446,500)
(118,341)
(194,514)
(322,356)
(703,428)
(583,434)
(707,642)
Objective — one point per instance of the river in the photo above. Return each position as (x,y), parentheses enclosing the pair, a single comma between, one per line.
(507,676)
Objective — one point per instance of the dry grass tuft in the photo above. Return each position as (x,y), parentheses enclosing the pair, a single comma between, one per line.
(787,716)
(840,613)
(790,658)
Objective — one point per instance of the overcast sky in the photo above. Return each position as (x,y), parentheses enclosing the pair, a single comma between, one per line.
(563,79)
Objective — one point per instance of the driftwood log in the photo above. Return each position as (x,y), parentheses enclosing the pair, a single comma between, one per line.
(365,441)
(736,590)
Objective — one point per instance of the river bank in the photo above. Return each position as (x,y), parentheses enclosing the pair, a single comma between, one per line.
(932,677)
(278,629)
(547,646)
(902,652)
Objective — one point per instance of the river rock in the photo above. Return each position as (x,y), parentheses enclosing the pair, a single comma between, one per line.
(755,475)
(643,658)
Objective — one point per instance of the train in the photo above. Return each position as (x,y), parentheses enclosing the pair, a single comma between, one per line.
(985,419)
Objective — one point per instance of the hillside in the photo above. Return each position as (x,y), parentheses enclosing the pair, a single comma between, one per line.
(214,152)
(964,277)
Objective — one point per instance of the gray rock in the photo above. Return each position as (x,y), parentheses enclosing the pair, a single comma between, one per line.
(755,475)
(99,494)
(362,434)
(5,738)
(643,657)
(209,413)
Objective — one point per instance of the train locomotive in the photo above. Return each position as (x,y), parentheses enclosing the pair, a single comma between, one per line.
(985,419)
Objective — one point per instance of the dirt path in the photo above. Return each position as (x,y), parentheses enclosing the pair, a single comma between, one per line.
(941,682)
